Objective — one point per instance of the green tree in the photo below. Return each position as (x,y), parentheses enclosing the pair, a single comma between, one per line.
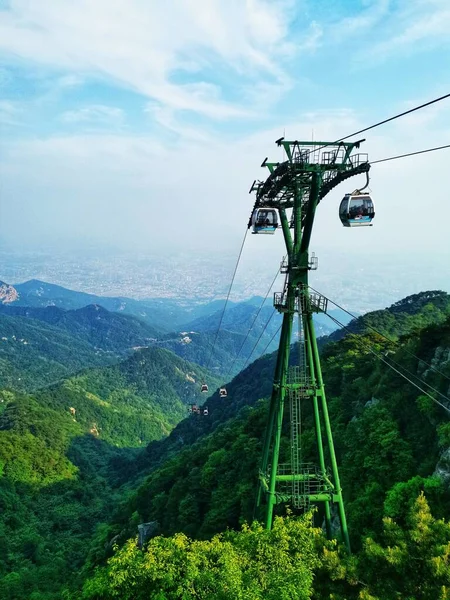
(410,563)
(251,564)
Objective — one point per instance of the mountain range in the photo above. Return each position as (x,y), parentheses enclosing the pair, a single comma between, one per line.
(86,459)
(222,341)
(164,314)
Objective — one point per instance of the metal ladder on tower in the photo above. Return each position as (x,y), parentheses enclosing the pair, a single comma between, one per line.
(299,377)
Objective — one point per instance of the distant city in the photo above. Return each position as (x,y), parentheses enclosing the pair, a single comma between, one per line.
(359,284)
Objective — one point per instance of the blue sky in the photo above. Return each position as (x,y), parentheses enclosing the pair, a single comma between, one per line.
(139,123)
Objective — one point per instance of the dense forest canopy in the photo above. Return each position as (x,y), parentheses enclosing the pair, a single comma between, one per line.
(84,461)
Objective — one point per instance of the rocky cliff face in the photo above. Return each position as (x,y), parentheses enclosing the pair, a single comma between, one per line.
(8,293)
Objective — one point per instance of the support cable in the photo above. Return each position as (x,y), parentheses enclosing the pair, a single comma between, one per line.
(420,379)
(271,340)
(228,297)
(374,162)
(377,354)
(259,338)
(186,374)
(383,335)
(254,321)
(406,112)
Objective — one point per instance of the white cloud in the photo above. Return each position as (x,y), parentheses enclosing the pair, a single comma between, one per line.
(166,117)
(382,29)
(10,112)
(358,24)
(136,191)
(412,26)
(312,39)
(143,45)
(96,113)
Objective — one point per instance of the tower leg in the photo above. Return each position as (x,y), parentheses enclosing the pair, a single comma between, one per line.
(273,431)
(317,424)
(274,400)
(271,498)
(329,435)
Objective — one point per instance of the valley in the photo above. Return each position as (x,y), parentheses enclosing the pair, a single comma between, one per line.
(224,300)
(87,457)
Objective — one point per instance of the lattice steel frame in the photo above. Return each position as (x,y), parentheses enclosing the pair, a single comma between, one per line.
(312,169)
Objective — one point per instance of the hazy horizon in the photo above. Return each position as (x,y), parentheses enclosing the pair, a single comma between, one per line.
(142,137)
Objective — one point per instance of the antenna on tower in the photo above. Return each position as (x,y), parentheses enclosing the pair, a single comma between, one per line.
(283,149)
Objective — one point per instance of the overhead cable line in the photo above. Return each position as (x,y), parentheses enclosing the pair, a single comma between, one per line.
(404,113)
(253,322)
(228,297)
(374,162)
(186,375)
(258,340)
(382,334)
(271,340)
(380,357)
(420,379)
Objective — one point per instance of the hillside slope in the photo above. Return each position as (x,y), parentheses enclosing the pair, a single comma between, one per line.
(402,317)
(390,438)
(56,485)
(391,441)
(33,354)
(134,401)
(238,318)
(163,313)
(93,324)
(255,382)
(63,454)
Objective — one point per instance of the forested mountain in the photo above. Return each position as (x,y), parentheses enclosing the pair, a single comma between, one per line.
(191,339)
(63,453)
(56,485)
(94,324)
(370,405)
(134,401)
(33,353)
(392,443)
(232,350)
(245,333)
(163,313)
(404,316)
(239,317)
(39,346)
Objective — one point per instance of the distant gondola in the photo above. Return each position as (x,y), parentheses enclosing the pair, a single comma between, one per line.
(264,220)
(223,393)
(356,210)
(204,387)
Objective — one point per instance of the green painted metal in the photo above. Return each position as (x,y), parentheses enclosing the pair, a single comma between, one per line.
(312,169)
(317,424)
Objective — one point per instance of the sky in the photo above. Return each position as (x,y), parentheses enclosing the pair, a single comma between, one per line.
(142,124)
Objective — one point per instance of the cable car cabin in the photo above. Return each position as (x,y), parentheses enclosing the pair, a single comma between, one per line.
(264,220)
(205,411)
(223,393)
(204,387)
(356,210)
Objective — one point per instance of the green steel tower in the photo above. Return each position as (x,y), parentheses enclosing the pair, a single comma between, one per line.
(297,185)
